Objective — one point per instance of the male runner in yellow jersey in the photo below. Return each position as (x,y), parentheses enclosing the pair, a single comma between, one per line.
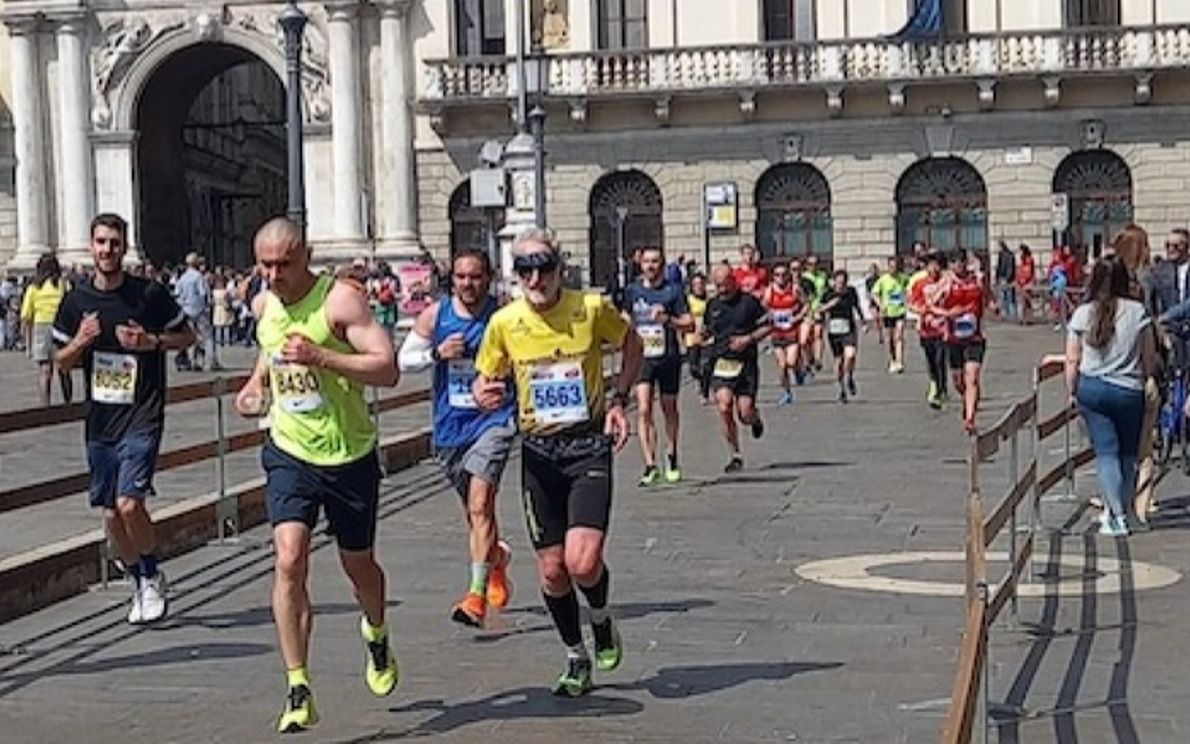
(551,342)
(320,345)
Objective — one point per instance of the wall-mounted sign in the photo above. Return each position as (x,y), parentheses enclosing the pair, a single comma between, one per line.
(722,205)
(1019,155)
(1060,212)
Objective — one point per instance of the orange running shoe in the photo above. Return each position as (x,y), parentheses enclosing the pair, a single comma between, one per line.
(499,585)
(471,611)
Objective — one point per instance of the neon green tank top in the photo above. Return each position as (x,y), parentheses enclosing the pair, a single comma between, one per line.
(317,416)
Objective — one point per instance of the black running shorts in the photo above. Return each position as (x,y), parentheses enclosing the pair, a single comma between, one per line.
(664,373)
(960,355)
(567,482)
(744,384)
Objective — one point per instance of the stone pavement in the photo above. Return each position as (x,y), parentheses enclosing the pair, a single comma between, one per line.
(725,641)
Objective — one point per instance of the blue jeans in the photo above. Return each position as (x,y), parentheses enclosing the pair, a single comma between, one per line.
(1114,417)
(1008,301)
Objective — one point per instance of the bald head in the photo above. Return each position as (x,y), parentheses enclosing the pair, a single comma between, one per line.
(724,280)
(283,258)
(279,231)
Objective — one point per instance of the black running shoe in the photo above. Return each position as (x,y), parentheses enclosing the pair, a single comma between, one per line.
(757,428)
(734,465)
(851,387)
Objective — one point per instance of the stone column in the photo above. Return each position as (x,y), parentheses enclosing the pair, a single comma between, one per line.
(29,144)
(74,166)
(346,125)
(399,226)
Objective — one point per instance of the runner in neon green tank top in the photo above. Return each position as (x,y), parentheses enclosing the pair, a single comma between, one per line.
(320,345)
(891,293)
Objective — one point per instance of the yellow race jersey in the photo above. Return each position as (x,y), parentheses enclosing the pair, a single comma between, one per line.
(556,358)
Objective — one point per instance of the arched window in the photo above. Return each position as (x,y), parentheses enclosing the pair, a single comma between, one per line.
(625,212)
(942,202)
(470,226)
(1099,185)
(793,213)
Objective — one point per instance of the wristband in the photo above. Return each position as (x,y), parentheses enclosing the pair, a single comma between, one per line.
(435,355)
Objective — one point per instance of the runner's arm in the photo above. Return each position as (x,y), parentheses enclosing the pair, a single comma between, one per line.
(632,355)
(417,351)
(373,362)
(1074,357)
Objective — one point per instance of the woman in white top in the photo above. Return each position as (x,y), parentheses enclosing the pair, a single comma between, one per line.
(1110,351)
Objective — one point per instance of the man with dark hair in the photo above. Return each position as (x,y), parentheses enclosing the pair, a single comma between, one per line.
(657,310)
(118,327)
(471,445)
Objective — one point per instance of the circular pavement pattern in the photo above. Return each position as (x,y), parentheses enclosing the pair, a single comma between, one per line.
(853,572)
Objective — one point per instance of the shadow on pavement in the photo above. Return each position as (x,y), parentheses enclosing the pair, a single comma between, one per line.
(253,616)
(184,654)
(538,703)
(670,683)
(625,611)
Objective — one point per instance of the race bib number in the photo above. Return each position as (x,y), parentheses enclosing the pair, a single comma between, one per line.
(460,374)
(559,393)
(728,369)
(297,388)
(896,297)
(839,327)
(783,320)
(113,378)
(966,325)
(653,337)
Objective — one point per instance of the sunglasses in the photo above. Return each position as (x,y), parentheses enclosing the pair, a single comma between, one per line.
(545,263)
(1179,246)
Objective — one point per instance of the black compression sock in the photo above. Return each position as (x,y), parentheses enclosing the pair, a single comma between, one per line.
(597,595)
(564,610)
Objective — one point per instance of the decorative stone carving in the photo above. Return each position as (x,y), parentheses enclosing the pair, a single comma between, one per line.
(123,42)
(315,78)
(896,97)
(1144,88)
(987,93)
(206,26)
(834,100)
(748,104)
(578,110)
(555,25)
(1053,90)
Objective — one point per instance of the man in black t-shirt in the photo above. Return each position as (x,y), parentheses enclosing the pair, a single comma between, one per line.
(657,309)
(118,327)
(735,323)
(841,308)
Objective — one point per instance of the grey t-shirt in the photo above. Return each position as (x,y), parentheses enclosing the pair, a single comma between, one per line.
(1119,362)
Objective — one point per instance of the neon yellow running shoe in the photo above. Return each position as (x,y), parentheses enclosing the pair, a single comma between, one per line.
(576,680)
(299,713)
(609,647)
(673,474)
(380,672)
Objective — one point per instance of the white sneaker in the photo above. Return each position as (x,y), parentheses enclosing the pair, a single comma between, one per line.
(153,601)
(136,614)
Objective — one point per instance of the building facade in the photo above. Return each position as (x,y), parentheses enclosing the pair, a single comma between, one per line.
(172,114)
(848,128)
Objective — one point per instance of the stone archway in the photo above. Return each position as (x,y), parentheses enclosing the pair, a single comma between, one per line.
(210,154)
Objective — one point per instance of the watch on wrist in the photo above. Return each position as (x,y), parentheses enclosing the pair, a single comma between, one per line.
(437,357)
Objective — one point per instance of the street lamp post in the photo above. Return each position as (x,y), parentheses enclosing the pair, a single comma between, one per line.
(537,128)
(293,23)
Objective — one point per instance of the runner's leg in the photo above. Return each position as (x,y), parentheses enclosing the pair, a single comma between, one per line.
(291,596)
(669,407)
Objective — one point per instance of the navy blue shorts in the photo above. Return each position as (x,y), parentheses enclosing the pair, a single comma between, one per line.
(123,469)
(348,493)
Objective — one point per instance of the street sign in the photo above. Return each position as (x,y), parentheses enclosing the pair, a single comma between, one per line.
(721,205)
(1060,212)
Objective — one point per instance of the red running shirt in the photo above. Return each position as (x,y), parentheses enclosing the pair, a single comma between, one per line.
(966,295)
(752,280)
(783,305)
(931,325)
